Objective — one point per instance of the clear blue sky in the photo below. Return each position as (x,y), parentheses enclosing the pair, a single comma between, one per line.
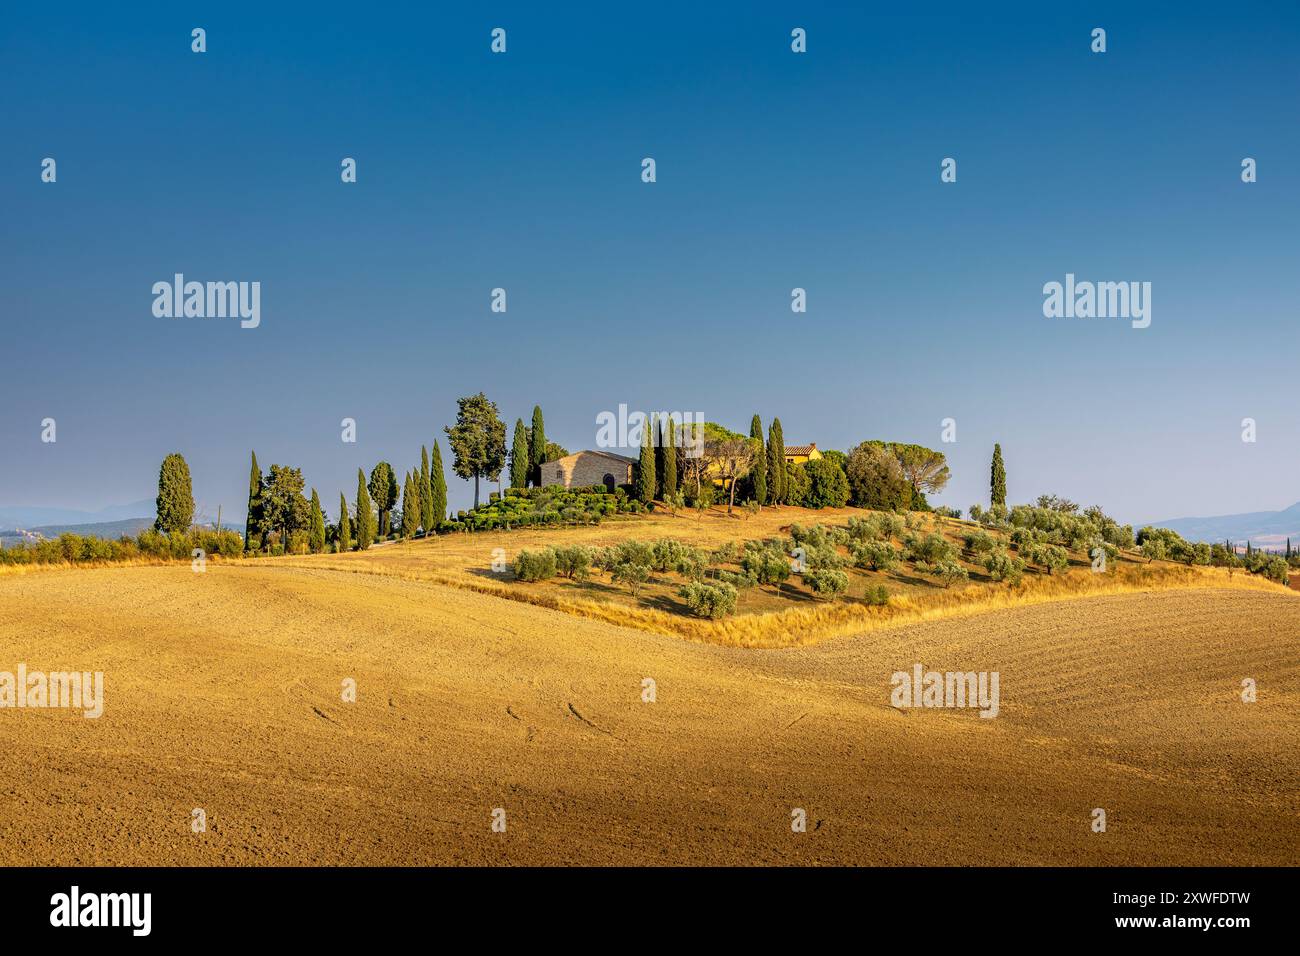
(775,170)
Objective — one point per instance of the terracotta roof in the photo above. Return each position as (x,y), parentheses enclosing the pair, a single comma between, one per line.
(800,449)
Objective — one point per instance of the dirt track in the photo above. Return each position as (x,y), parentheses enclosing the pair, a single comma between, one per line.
(223,692)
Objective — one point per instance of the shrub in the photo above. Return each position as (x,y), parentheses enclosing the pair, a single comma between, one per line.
(932,549)
(724,553)
(822,556)
(827,581)
(693,563)
(1002,567)
(635,552)
(861,529)
(710,600)
(877,596)
(1110,552)
(633,575)
(767,566)
(881,526)
(980,542)
(1276,569)
(666,553)
(738,580)
(876,555)
(535,565)
(1052,557)
(574,562)
(948,571)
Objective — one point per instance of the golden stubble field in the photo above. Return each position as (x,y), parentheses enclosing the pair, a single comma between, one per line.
(223,693)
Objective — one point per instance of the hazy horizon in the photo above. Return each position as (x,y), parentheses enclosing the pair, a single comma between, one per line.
(775,170)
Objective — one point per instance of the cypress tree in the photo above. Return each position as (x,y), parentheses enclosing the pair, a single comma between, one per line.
(669,478)
(679,433)
(537,446)
(661,455)
(998,480)
(365,514)
(439,482)
(426,493)
(520,457)
(345,526)
(776,476)
(645,469)
(175,496)
(316,530)
(253,524)
(383,489)
(410,507)
(759,473)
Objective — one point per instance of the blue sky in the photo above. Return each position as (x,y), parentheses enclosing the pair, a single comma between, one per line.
(775,170)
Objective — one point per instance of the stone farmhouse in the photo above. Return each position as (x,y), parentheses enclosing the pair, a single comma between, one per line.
(585,468)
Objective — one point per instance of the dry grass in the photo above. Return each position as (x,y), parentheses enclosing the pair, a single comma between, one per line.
(800,626)
(767,618)
(786,617)
(222,691)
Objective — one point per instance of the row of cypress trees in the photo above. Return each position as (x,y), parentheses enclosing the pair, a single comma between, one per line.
(660,471)
(424,504)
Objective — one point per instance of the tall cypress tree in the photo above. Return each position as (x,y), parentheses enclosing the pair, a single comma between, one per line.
(759,473)
(537,446)
(316,528)
(383,489)
(645,469)
(426,493)
(776,477)
(998,479)
(679,440)
(345,526)
(254,521)
(658,431)
(520,457)
(669,478)
(175,496)
(410,507)
(773,474)
(365,514)
(439,482)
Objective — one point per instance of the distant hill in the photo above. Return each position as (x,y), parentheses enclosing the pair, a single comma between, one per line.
(22,516)
(100,529)
(1267,529)
(29,523)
